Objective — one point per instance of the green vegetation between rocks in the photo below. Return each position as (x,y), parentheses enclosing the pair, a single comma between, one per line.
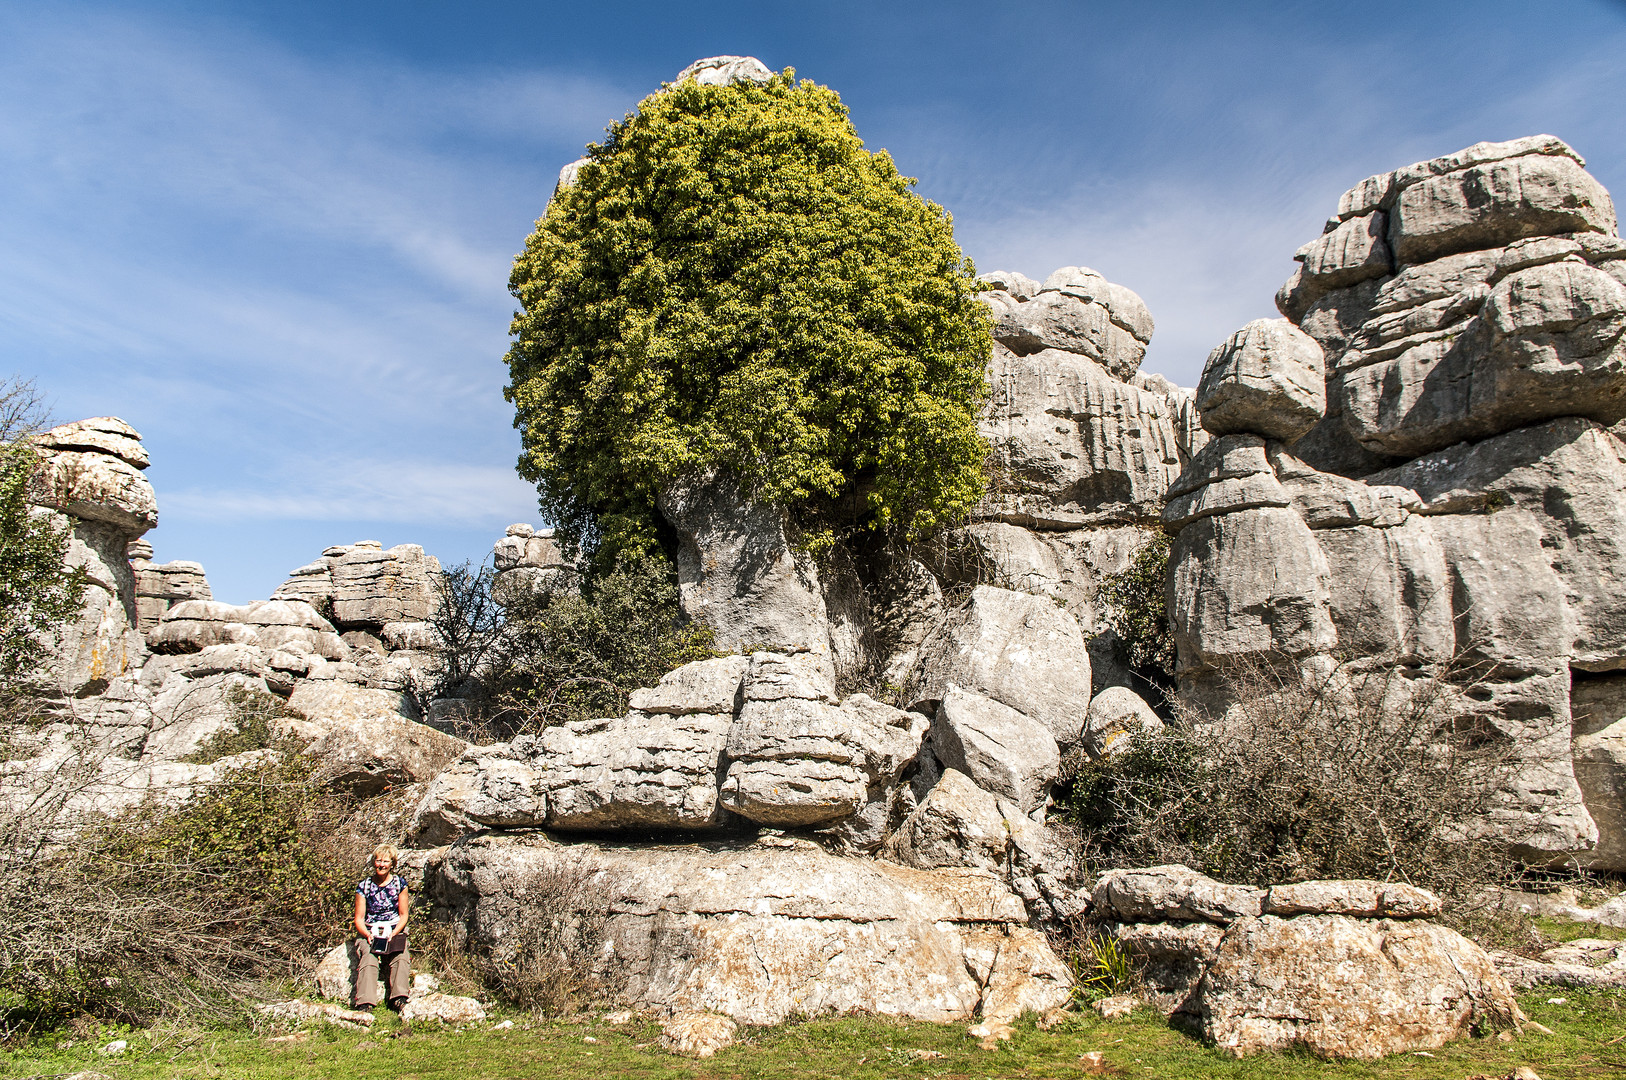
(734,282)
(1136,607)
(1586,1043)
(549,657)
(38,592)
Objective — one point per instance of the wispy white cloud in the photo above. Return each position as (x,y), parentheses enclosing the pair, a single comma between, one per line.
(347,489)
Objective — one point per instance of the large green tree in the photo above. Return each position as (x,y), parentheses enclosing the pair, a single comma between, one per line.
(734,282)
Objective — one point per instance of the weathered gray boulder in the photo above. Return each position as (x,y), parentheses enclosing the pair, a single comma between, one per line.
(794,758)
(999,749)
(762,931)
(98,435)
(498,786)
(1569,475)
(94,486)
(192,625)
(1248,583)
(1352,251)
(1496,202)
(1018,649)
(1361,899)
(100,643)
(738,571)
(1062,321)
(186,713)
(1230,473)
(372,757)
(957,824)
(1598,706)
(1074,445)
(642,770)
(372,586)
(160,586)
(1172,894)
(1348,988)
(1265,379)
(1340,975)
(1546,342)
(1017,286)
(1116,713)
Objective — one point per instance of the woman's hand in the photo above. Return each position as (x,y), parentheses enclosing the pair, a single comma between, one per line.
(401,905)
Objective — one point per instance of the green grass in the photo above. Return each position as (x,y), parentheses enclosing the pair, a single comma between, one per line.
(1589,1041)
(1560,930)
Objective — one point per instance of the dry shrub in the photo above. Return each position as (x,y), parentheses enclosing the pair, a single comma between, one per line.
(546,952)
(166,910)
(1338,775)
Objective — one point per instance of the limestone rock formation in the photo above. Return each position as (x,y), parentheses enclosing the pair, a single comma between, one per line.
(527,561)
(722,70)
(760,931)
(755,737)
(739,571)
(160,586)
(1342,968)
(1267,379)
(90,478)
(1117,712)
(998,748)
(1459,509)
(1018,649)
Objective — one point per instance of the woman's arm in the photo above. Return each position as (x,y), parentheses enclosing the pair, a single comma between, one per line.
(401,905)
(360,921)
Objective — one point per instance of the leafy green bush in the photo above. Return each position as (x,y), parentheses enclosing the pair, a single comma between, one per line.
(252,711)
(38,593)
(1137,609)
(734,282)
(561,656)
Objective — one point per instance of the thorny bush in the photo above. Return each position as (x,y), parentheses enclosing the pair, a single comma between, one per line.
(166,910)
(549,958)
(1342,775)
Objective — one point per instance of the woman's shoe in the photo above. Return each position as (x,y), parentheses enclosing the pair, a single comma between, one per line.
(398,1003)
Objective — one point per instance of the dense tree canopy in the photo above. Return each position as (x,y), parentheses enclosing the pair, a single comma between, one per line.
(734,282)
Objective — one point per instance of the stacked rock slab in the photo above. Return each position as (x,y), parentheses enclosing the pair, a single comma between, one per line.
(90,478)
(717,744)
(1084,446)
(159,586)
(1460,506)
(1342,968)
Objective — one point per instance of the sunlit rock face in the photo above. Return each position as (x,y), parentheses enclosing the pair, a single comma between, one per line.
(1459,508)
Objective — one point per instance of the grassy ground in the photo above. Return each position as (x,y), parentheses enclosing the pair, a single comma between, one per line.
(1589,1041)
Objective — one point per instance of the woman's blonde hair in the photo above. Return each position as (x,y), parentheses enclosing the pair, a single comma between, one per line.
(387,852)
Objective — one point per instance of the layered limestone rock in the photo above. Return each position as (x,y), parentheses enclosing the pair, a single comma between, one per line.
(90,478)
(740,572)
(717,743)
(1342,968)
(761,931)
(1083,446)
(1473,297)
(364,587)
(527,561)
(1018,649)
(160,586)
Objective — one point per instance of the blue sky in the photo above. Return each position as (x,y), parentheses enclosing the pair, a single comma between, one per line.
(275,237)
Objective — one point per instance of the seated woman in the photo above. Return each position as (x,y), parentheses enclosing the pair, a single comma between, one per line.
(381,922)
